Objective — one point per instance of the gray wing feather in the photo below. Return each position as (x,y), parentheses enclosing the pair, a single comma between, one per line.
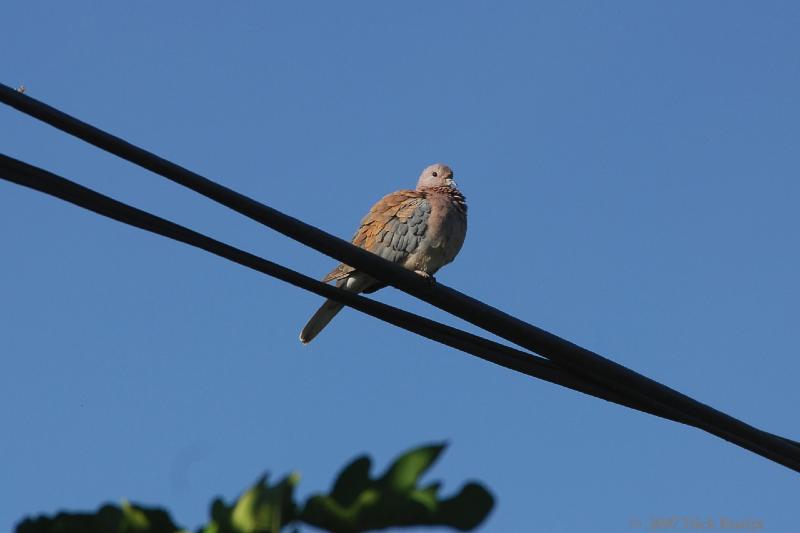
(401,236)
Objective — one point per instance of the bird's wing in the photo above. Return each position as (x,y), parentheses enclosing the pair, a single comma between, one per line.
(392,229)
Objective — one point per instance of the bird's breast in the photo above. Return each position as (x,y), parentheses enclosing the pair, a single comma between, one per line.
(447,229)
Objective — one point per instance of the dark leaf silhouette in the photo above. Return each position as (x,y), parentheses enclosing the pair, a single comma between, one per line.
(127,518)
(356,503)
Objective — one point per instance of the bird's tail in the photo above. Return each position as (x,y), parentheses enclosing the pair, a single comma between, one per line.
(356,282)
(324,314)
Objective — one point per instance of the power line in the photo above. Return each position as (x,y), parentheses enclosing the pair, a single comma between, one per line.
(580,361)
(46,182)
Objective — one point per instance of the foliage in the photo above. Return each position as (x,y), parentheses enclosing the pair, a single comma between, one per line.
(127,518)
(356,503)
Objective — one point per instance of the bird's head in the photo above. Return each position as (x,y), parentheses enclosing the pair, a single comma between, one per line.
(436,175)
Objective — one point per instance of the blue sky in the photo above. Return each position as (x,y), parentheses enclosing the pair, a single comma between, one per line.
(632,175)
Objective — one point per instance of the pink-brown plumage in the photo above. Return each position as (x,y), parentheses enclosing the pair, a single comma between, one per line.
(422,230)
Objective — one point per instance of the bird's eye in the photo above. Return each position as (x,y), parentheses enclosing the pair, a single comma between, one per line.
(435,174)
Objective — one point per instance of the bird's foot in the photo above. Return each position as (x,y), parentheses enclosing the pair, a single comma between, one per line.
(430,279)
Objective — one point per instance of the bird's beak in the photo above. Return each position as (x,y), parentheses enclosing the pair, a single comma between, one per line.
(450,182)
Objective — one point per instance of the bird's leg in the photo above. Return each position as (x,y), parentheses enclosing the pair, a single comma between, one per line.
(430,279)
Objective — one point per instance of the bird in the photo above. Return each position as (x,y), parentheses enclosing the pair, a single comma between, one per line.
(421,229)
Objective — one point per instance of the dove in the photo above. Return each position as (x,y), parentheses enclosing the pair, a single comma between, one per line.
(421,229)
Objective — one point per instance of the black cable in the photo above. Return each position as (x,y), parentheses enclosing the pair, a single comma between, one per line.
(593,367)
(41,180)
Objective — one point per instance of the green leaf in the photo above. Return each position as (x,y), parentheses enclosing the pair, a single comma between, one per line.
(352,481)
(260,509)
(407,469)
(428,496)
(327,513)
(133,520)
(359,503)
